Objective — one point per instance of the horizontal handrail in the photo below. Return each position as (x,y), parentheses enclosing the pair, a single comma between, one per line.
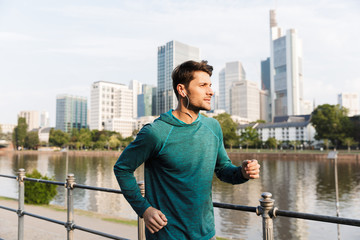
(44,181)
(8,176)
(234,207)
(315,217)
(97,188)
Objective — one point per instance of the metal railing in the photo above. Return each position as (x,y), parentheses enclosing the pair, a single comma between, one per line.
(266,209)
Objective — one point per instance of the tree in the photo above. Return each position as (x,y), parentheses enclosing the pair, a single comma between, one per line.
(271,142)
(228,127)
(58,138)
(85,137)
(249,137)
(32,140)
(19,133)
(349,142)
(114,142)
(331,122)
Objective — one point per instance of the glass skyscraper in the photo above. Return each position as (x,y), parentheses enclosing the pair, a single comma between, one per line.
(71,112)
(286,76)
(169,56)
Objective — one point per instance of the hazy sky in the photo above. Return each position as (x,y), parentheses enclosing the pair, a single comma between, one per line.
(61,47)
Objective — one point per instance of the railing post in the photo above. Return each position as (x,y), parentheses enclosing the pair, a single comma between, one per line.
(141,222)
(20,211)
(265,209)
(70,180)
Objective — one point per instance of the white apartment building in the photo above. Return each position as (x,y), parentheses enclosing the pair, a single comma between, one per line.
(245,100)
(44,119)
(349,101)
(289,128)
(124,126)
(110,101)
(31,118)
(7,128)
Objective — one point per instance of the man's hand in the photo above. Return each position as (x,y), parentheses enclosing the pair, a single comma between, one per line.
(250,169)
(154,219)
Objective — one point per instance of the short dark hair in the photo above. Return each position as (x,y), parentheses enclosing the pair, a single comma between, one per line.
(184,73)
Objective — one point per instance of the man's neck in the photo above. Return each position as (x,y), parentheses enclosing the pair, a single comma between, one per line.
(185,115)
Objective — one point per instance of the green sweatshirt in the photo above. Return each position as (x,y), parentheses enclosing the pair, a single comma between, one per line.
(180,160)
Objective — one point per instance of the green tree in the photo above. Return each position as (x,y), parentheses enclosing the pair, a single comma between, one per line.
(331,122)
(32,140)
(39,193)
(85,137)
(114,142)
(349,142)
(249,137)
(58,138)
(271,142)
(228,127)
(19,133)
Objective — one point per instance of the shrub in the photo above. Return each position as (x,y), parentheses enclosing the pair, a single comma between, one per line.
(39,193)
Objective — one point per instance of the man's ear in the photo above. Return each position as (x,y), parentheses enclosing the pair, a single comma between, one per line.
(181,90)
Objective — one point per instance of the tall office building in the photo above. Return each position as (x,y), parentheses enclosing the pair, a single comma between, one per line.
(44,119)
(245,100)
(71,112)
(286,76)
(109,101)
(136,88)
(233,72)
(349,101)
(169,56)
(265,74)
(31,118)
(145,101)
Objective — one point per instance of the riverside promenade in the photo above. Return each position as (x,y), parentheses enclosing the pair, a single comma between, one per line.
(36,229)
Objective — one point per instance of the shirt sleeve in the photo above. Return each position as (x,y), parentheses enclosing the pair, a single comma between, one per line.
(136,153)
(224,169)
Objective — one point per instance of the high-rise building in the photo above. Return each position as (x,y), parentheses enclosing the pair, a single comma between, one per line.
(265,74)
(169,56)
(109,101)
(245,100)
(233,72)
(265,110)
(136,88)
(71,112)
(286,75)
(350,101)
(145,101)
(31,118)
(44,119)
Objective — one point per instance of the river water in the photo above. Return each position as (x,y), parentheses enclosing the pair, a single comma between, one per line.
(296,185)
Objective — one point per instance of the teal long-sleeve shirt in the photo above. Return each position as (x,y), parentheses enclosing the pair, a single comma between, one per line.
(180,160)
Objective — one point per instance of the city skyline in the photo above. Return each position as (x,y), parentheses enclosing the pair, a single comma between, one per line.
(64,46)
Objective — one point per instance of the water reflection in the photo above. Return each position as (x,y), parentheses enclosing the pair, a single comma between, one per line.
(296,185)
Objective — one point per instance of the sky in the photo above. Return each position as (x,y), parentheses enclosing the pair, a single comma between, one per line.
(49,47)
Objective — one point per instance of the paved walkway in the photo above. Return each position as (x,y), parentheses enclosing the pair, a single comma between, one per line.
(37,229)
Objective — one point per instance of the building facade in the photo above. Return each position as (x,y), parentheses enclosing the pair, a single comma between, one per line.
(136,88)
(108,101)
(350,101)
(169,56)
(233,72)
(287,129)
(145,101)
(31,118)
(245,100)
(71,112)
(286,74)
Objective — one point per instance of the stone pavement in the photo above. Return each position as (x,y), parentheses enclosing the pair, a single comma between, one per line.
(37,229)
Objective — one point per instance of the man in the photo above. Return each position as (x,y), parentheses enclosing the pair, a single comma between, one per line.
(181,149)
